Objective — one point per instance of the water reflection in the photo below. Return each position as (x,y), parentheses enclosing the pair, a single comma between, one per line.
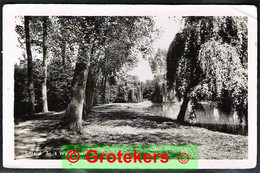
(210,114)
(169,110)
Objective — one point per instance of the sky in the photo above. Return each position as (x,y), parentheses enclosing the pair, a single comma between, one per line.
(170,27)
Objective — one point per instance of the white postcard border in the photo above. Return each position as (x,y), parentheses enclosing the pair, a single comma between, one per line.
(10,11)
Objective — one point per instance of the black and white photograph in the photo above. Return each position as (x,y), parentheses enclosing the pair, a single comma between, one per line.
(106,75)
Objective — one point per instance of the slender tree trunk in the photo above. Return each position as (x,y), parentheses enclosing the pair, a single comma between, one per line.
(75,108)
(104,90)
(183,109)
(29,66)
(89,90)
(45,67)
(194,82)
(89,93)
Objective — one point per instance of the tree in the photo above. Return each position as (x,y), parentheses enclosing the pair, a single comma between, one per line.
(45,66)
(158,67)
(63,52)
(148,89)
(114,49)
(73,118)
(93,48)
(38,45)
(225,80)
(75,107)
(106,44)
(89,96)
(29,66)
(158,62)
(185,69)
(119,41)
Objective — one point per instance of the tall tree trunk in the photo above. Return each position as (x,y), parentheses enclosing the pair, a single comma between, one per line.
(183,109)
(194,81)
(89,93)
(44,66)
(29,66)
(104,90)
(75,108)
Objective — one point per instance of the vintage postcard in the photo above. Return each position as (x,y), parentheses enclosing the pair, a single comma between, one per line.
(129,87)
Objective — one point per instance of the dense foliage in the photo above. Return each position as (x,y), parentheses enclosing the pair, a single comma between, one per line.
(160,93)
(108,45)
(208,61)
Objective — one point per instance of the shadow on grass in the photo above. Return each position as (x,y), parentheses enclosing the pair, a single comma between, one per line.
(236,129)
(133,119)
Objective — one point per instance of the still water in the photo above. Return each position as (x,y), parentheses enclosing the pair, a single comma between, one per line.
(210,114)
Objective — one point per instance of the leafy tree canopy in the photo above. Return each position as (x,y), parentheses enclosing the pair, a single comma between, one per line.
(207,60)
